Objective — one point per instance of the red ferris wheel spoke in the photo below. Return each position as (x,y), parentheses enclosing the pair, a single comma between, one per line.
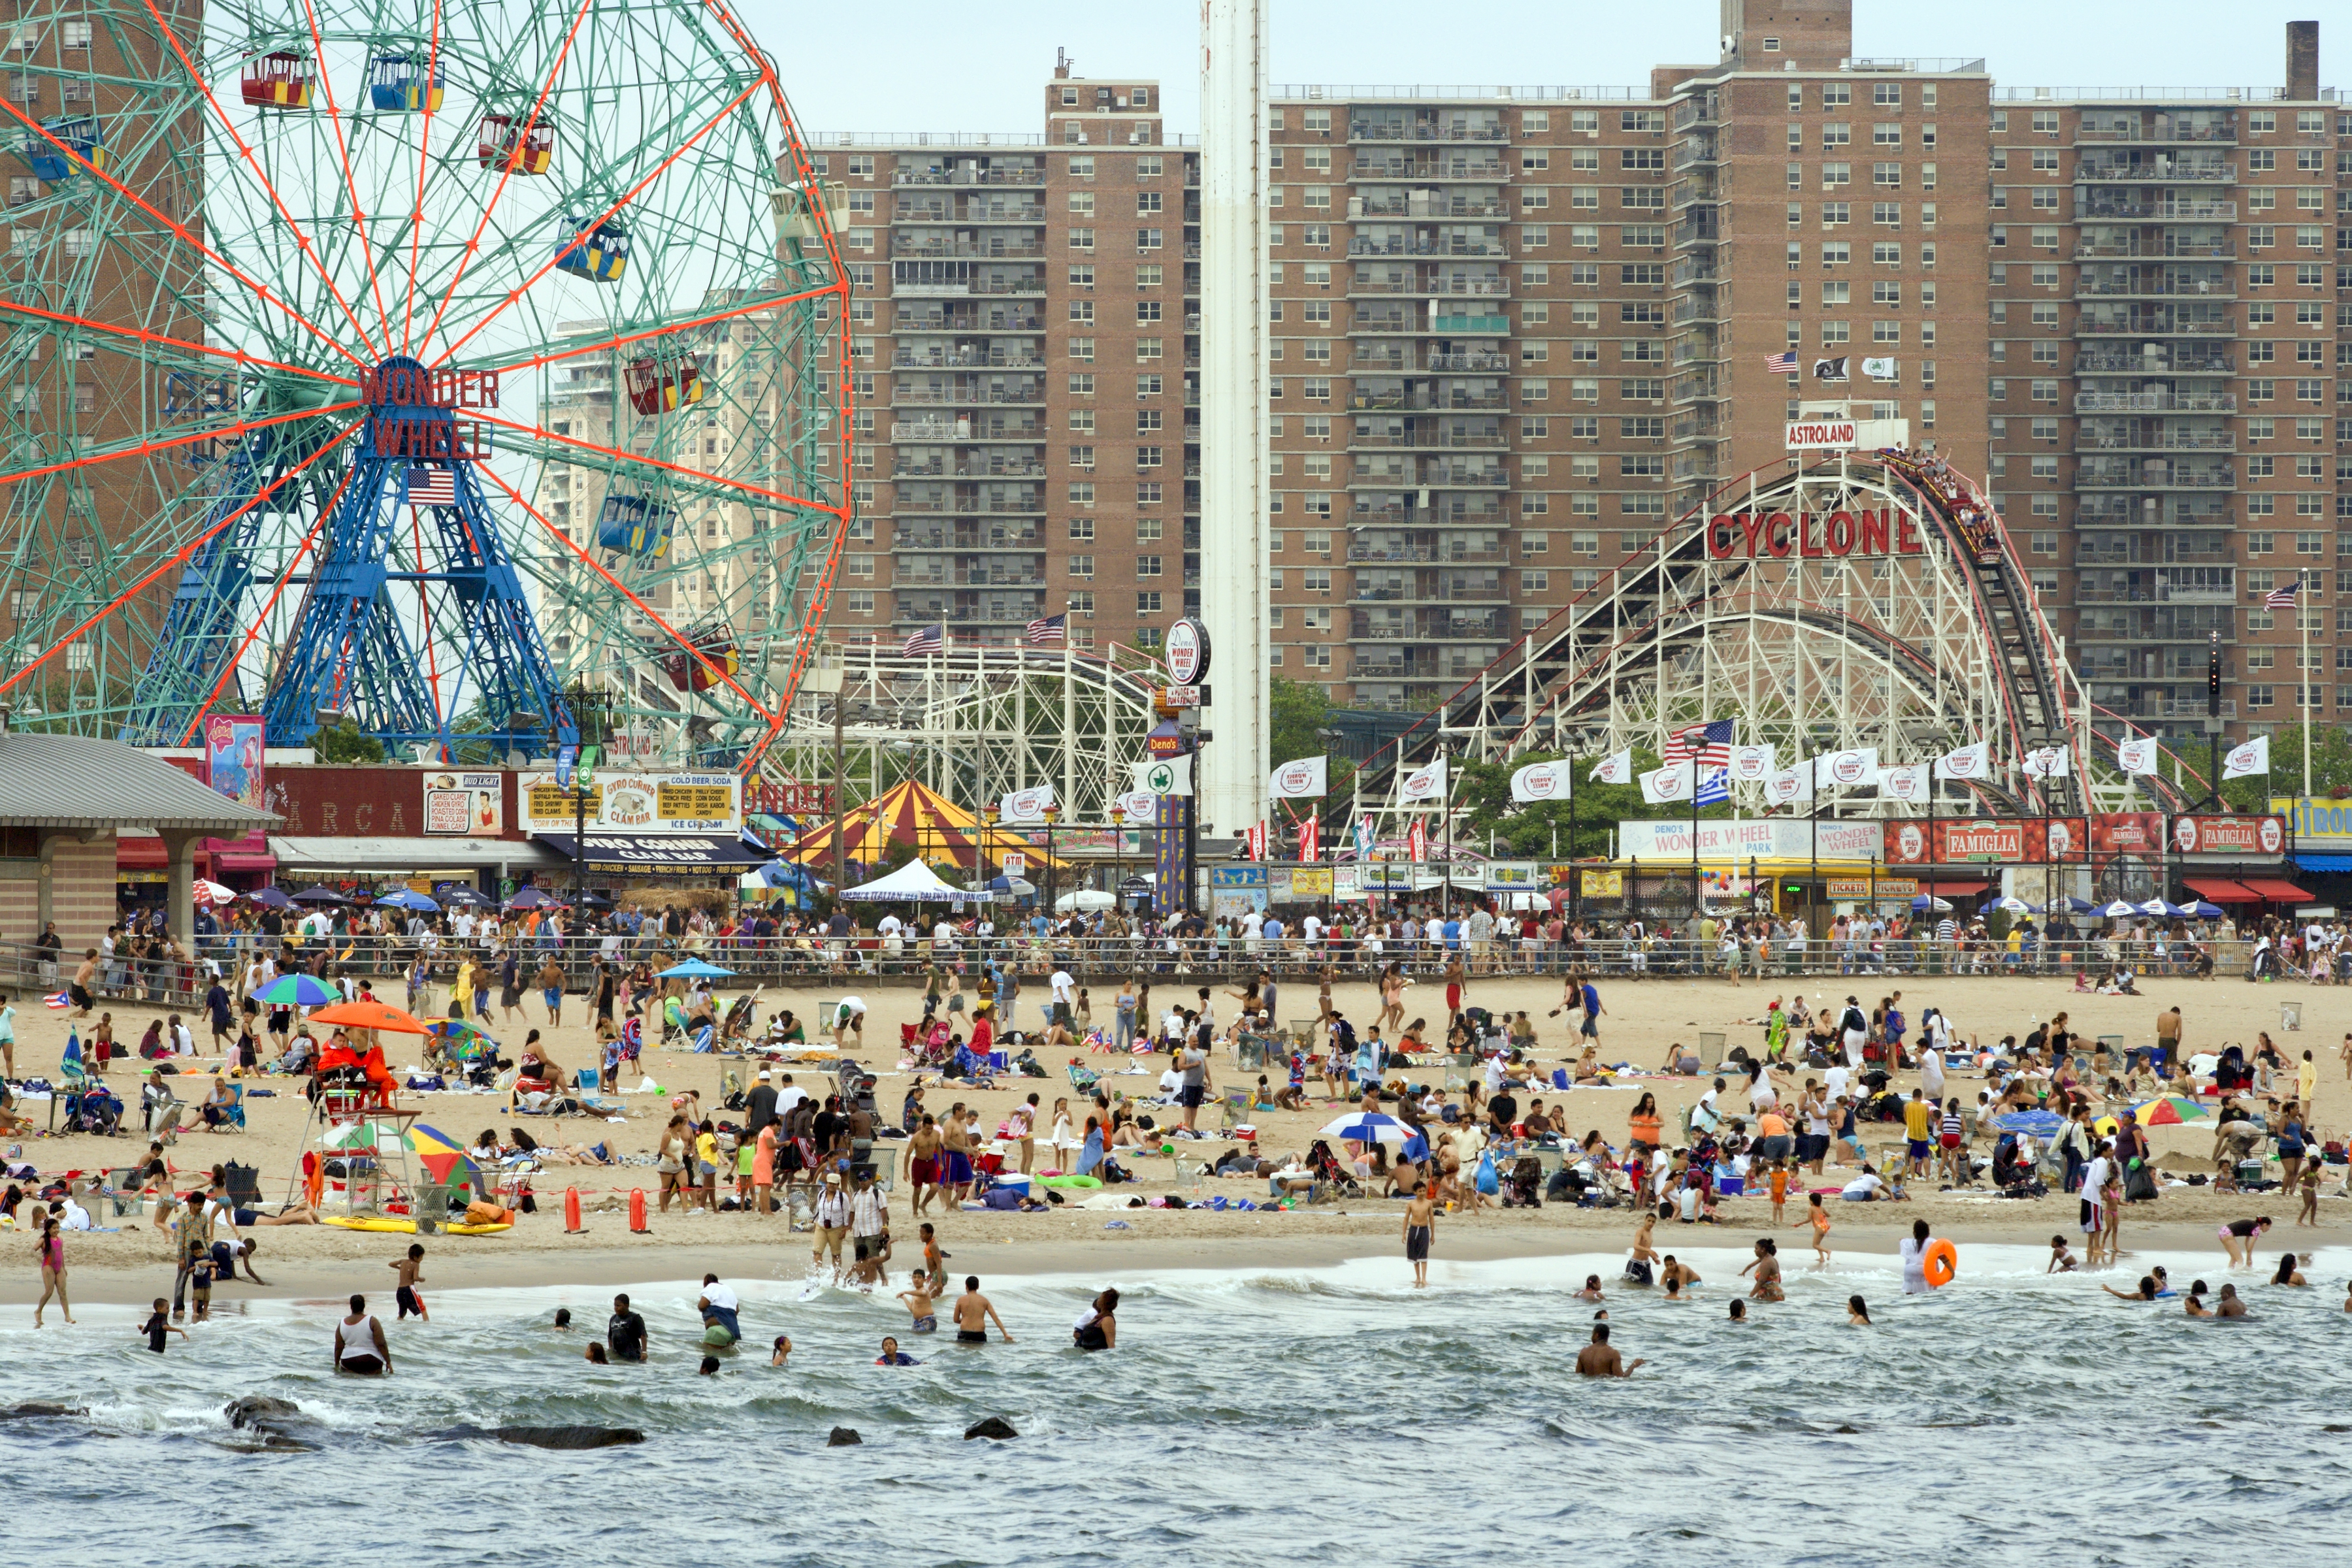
(350,180)
(683,324)
(261,290)
(582,233)
(261,619)
(245,150)
(781,497)
(423,163)
(141,334)
(623,589)
(180,557)
(149,448)
(507,173)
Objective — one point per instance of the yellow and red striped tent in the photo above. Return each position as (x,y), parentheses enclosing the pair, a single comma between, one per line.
(936,828)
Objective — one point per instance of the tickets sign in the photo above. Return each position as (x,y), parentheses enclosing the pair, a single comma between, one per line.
(2228,835)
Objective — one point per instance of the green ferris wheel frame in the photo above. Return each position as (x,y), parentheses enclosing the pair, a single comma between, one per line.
(606,211)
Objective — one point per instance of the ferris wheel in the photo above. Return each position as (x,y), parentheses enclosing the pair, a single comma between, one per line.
(468,371)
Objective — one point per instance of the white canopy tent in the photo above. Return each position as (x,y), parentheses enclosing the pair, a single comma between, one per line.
(913,883)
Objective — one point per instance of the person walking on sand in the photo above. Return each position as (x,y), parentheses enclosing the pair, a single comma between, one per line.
(1818,1213)
(410,1273)
(973,1314)
(1419,1221)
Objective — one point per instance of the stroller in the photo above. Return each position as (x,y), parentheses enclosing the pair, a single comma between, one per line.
(855,1087)
(94,1109)
(1326,1168)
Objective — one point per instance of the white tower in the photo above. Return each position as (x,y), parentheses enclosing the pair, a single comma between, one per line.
(1232,412)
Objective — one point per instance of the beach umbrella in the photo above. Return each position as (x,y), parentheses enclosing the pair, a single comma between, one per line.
(463,895)
(1926,903)
(439,1153)
(369,1015)
(533,899)
(319,896)
(2202,911)
(210,893)
(270,898)
(1019,886)
(409,899)
(1369,1127)
(2167,1111)
(300,991)
(2119,911)
(467,1042)
(693,969)
(2015,905)
(1085,898)
(2037,1123)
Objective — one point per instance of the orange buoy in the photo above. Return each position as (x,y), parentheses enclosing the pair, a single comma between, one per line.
(637,1225)
(1941,1264)
(572,1225)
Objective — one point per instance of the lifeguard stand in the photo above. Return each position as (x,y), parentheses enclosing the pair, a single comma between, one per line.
(369,1133)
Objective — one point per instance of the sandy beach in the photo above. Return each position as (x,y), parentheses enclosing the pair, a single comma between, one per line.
(1641,1020)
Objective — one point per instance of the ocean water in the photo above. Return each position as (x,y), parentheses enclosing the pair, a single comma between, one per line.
(1246,1418)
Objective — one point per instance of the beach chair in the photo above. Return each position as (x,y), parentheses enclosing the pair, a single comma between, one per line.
(1082,1078)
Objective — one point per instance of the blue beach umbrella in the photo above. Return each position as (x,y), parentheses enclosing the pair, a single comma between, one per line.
(1369,1127)
(2039,1123)
(694,969)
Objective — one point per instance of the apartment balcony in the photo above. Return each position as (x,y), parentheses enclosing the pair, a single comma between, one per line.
(1366,246)
(2158,326)
(2091,288)
(939,467)
(2092,208)
(2155,402)
(966,539)
(1469,361)
(969,506)
(1447,440)
(957,430)
(2157,171)
(2184,512)
(1470,326)
(962,176)
(1389,322)
(998,579)
(974,358)
(1411,206)
(2131,361)
(2156,136)
(1456,475)
(2171,251)
(1380,356)
(1363,553)
(1430,591)
(2157,594)
(2089,441)
(957,397)
(1695,149)
(907,617)
(2136,477)
(1377,131)
(971,249)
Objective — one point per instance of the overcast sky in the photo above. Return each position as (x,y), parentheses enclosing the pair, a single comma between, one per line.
(971,65)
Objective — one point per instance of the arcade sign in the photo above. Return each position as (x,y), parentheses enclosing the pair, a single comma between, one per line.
(1838,533)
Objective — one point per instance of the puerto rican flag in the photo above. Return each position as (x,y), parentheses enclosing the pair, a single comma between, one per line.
(1708,745)
(60,1000)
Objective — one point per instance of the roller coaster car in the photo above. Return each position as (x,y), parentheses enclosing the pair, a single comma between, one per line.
(636,526)
(279,80)
(80,132)
(501,144)
(716,646)
(398,84)
(663,382)
(602,257)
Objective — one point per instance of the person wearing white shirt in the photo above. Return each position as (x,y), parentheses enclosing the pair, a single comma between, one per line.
(1864,1188)
(1311,927)
(1064,997)
(1835,1079)
(1434,932)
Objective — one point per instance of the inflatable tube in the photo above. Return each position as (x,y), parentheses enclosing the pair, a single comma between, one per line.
(1068,1181)
(408,1226)
(1941,1263)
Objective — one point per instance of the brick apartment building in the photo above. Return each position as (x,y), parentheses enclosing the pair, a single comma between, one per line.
(1516,332)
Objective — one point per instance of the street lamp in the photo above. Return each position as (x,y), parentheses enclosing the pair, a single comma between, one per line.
(1118,856)
(988,814)
(1052,812)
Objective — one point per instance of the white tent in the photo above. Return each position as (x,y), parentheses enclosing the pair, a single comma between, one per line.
(1085,898)
(913,883)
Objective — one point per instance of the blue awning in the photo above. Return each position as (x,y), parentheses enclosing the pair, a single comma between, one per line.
(2325,862)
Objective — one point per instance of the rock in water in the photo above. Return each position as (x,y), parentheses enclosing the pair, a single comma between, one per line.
(995,1427)
(570,1436)
(37,1412)
(843,1437)
(260,1410)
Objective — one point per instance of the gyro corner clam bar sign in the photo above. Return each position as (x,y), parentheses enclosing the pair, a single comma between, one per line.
(633,803)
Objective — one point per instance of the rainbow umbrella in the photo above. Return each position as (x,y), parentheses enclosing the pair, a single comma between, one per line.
(467,1041)
(439,1153)
(2167,1111)
(300,991)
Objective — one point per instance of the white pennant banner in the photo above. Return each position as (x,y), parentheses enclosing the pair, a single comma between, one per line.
(1617,767)
(1540,781)
(2254,757)
(1973,761)
(2137,756)
(1751,765)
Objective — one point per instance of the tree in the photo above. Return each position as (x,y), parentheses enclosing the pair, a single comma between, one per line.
(1296,712)
(2331,768)
(344,742)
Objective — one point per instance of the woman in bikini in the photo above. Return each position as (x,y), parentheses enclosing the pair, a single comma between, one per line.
(51,1252)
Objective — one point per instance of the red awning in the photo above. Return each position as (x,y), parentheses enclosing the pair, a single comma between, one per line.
(1938,884)
(2272,890)
(2217,890)
(230,860)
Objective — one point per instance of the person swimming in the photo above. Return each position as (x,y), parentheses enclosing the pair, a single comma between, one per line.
(919,1305)
(1739,1311)
(2232,1305)
(2195,1303)
(1592,1292)
(1857,1313)
(782,1351)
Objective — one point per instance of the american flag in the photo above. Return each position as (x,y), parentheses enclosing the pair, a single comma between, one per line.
(1709,745)
(1781,365)
(2283,598)
(1046,631)
(432,486)
(932,638)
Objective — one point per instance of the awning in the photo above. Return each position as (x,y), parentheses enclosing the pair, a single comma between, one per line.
(141,852)
(449,857)
(2325,862)
(2219,890)
(233,860)
(2272,890)
(1940,886)
(660,854)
